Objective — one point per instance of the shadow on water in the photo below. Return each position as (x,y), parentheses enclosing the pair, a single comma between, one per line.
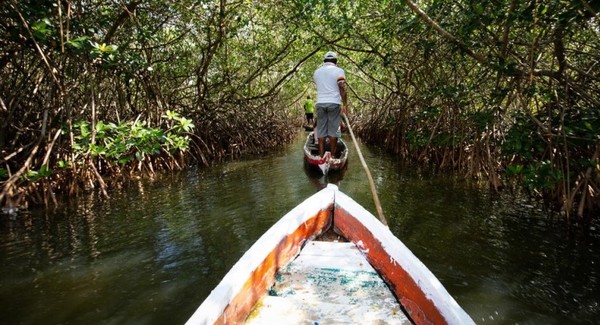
(152,252)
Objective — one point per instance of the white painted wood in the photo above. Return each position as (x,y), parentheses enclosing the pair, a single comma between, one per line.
(325,254)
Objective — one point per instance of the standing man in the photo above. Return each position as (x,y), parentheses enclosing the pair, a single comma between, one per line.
(331,100)
(309,109)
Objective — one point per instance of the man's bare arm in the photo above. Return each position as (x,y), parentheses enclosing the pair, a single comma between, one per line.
(343,94)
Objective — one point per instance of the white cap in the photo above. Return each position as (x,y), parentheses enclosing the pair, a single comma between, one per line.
(330,55)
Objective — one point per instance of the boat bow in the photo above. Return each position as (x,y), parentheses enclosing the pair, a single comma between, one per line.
(416,288)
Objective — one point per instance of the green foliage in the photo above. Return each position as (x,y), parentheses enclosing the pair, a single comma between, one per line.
(417,138)
(129,141)
(482,120)
(78,43)
(36,175)
(579,128)
(104,53)
(514,170)
(41,29)
(183,124)
(537,176)
(63,164)
(522,140)
(3,173)
(219,62)
(542,176)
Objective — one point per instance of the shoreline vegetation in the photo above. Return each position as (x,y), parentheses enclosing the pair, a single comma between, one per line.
(95,92)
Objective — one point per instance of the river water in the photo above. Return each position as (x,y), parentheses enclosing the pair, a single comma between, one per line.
(156,248)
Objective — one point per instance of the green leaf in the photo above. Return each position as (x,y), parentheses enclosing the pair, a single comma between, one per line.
(514,169)
(45,171)
(124,160)
(171,115)
(186,124)
(78,42)
(40,29)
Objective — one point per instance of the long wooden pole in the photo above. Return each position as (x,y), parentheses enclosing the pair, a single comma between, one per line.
(371,182)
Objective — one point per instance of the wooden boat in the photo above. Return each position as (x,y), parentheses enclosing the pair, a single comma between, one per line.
(329,161)
(329,261)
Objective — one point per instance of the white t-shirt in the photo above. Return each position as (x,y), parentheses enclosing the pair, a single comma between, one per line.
(326,78)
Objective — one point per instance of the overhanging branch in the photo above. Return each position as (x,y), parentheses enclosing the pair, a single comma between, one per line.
(477,56)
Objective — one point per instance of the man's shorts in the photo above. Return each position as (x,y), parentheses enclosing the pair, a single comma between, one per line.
(328,119)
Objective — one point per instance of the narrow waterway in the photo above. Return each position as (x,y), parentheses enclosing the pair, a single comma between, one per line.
(152,252)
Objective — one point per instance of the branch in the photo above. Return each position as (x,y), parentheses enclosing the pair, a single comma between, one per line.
(3,106)
(269,63)
(477,56)
(506,30)
(7,189)
(289,73)
(480,58)
(37,46)
(127,11)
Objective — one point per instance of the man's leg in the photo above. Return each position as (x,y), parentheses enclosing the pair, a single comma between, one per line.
(333,142)
(321,146)
(320,128)
(334,123)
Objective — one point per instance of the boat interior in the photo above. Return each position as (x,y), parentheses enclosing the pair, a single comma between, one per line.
(330,282)
(314,147)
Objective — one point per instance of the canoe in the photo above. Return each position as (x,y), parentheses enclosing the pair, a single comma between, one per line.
(329,261)
(328,162)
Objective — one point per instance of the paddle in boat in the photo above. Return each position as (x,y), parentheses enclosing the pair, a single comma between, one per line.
(329,261)
(329,161)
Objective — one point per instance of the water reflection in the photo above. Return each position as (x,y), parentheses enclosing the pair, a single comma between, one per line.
(153,251)
(320,181)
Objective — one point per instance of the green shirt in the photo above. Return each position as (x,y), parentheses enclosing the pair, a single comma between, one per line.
(309,106)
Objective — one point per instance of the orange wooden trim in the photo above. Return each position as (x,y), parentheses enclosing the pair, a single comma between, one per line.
(413,299)
(263,276)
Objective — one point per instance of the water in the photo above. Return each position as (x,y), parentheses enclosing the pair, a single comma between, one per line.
(152,252)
